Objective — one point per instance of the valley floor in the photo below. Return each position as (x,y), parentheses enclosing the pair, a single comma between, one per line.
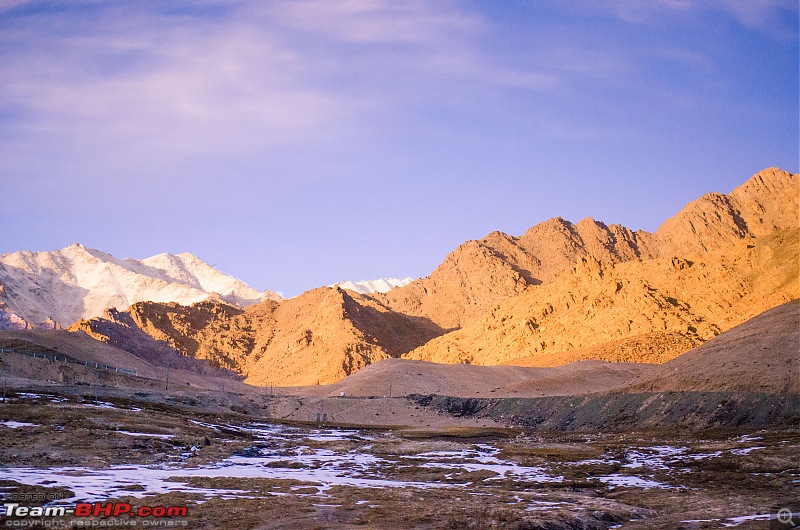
(234,462)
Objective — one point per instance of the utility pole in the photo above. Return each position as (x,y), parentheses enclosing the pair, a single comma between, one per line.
(96,377)
(5,377)
(169,362)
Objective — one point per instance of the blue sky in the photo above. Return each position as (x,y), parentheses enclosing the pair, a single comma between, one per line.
(295,144)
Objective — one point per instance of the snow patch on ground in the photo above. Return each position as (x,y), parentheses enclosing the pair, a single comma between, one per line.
(150,435)
(11,424)
(736,521)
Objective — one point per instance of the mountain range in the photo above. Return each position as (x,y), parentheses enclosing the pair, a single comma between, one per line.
(56,289)
(558,293)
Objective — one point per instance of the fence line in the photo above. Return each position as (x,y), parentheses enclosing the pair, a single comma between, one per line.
(97,366)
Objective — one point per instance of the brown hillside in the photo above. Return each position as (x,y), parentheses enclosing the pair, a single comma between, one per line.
(686,301)
(215,331)
(321,336)
(78,346)
(480,274)
(655,347)
(766,202)
(760,355)
(118,329)
(559,244)
(81,347)
(327,334)
(471,278)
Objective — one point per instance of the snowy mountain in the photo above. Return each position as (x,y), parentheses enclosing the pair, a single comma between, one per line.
(381,285)
(45,289)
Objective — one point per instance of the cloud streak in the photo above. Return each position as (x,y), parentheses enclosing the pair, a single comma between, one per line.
(773,17)
(126,82)
(184,89)
(146,82)
(130,81)
(378,21)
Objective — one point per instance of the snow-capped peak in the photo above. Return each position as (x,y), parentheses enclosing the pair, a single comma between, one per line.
(381,285)
(79,282)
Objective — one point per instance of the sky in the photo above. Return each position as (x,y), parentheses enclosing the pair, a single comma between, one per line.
(294,144)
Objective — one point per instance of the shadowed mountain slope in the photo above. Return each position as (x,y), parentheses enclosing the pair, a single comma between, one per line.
(320,336)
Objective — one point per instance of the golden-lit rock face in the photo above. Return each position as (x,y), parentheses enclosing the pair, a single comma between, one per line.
(675,303)
(558,293)
(479,274)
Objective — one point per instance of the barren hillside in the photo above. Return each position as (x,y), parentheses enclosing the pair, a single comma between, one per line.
(675,302)
(760,355)
(219,333)
(400,377)
(320,336)
(182,372)
(479,274)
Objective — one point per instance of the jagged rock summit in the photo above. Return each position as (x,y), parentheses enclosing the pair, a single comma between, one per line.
(606,292)
(56,289)
(480,274)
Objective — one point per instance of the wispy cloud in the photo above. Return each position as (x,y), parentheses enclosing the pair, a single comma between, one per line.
(132,82)
(768,16)
(764,15)
(5,5)
(378,21)
(155,85)
(639,11)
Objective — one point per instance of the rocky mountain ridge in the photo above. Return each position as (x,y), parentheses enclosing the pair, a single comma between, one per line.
(676,303)
(481,273)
